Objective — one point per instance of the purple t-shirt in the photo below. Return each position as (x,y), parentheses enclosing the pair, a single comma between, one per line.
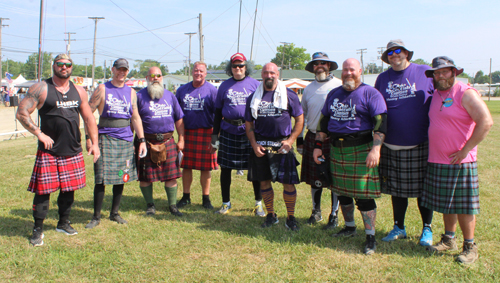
(159,115)
(232,99)
(117,105)
(198,105)
(272,122)
(352,111)
(407,96)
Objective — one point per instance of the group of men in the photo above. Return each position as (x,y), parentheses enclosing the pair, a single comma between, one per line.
(413,135)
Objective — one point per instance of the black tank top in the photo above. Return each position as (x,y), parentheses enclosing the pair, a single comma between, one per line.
(60,120)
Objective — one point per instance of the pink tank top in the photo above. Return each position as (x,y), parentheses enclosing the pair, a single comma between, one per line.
(450,125)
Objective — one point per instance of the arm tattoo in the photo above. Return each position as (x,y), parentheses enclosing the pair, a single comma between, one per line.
(28,105)
(95,99)
(377,142)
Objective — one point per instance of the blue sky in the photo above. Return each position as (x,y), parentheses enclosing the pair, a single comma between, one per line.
(464,30)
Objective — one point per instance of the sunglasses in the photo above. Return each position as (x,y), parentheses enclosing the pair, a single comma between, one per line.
(397,51)
(317,63)
(60,64)
(238,66)
(441,73)
(155,75)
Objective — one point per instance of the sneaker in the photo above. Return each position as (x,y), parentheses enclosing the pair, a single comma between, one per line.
(346,232)
(151,210)
(37,238)
(426,237)
(315,217)
(240,173)
(174,211)
(259,210)
(183,202)
(447,243)
(333,222)
(396,233)
(370,245)
(66,228)
(117,218)
(291,223)
(271,219)
(94,222)
(224,209)
(469,253)
(207,204)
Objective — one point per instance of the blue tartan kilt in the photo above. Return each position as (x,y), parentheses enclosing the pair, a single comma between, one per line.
(233,151)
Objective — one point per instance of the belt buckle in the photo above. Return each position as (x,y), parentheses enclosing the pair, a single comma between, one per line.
(159,137)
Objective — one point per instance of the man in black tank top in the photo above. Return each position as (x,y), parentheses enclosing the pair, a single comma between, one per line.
(59,160)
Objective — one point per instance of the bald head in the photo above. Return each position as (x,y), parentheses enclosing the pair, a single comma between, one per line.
(155,83)
(154,70)
(270,76)
(351,74)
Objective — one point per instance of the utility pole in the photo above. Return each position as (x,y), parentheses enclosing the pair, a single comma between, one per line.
(253,32)
(489,87)
(200,32)
(95,19)
(239,25)
(39,72)
(104,70)
(1,25)
(381,51)
(189,62)
(86,68)
(361,51)
(283,57)
(68,46)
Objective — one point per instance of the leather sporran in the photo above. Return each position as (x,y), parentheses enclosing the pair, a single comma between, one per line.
(158,153)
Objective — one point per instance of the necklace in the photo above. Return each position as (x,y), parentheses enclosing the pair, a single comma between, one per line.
(62,89)
(444,100)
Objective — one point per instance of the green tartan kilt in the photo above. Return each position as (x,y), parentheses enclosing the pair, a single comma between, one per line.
(351,177)
(116,165)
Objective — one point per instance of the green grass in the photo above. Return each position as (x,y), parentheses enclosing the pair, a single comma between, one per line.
(203,246)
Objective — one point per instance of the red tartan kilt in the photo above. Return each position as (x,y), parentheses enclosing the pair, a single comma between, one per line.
(197,150)
(53,172)
(150,172)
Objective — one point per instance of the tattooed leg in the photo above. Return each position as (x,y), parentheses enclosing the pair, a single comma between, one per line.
(369,221)
(348,213)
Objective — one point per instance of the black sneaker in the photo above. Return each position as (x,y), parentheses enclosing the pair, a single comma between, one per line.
(315,217)
(173,209)
(66,228)
(370,245)
(333,222)
(346,232)
(207,204)
(117,218)
(183,202)
(94,222)
(291,223)
(271,219)
(37,237)
(151,210)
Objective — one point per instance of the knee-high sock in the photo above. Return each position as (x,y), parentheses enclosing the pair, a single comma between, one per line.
(171,195)
(335,204)
(256,190)
(147,193)
(64,202)
(225,184)
(40,209)
(99,190)
(348,213)
(369,218)
(316,197)
(399,207)
(290,197)
(425,213)
(268,196)
(117,197)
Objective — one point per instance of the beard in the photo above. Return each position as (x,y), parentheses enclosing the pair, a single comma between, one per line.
(155,90)
(350,83)
(60,75)
(269,83)
(321,74)
(444,84)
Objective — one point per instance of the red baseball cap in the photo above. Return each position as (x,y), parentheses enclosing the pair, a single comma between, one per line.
(238,57)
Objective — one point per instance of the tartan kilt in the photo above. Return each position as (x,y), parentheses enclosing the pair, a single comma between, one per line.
(197,150)
(452,188)
(233,151)
(402,172)
(116,165)
(53,172)
(350,176)
(309,172)
(150,172)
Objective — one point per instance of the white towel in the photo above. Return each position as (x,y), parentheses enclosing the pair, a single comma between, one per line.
(280,98)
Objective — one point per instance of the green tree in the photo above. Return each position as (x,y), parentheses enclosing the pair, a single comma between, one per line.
(495,77)
(31,66)
(421,62)
(143,67)
(13,67)
(291,56)
(481,78)
(372,68)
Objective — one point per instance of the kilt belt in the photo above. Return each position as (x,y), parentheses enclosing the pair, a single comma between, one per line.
(158,137)
(113,123)
(351,140)
(237,122)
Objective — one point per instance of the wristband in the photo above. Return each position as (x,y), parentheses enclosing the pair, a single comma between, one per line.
(87,137)
(318,144)
(142,140)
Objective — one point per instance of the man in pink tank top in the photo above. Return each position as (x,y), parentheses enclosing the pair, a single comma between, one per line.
(459,121)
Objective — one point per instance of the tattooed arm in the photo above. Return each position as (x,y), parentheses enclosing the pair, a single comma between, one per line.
(137,124)
(380,127)
(96,101)
(35,98)
(89,122)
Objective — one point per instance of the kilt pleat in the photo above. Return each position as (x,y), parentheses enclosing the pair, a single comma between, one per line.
(150,172)
(197,150)
(116,165)
(233,151)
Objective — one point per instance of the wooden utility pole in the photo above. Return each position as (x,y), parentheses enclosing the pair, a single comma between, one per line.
(86,68)
(1,25)
(253,32)
(283,57)
(68,46)
(239,25)
(361,51)
(489,88)
(189,61)
(95,19)
(381,51)
(200,33)
(39,72)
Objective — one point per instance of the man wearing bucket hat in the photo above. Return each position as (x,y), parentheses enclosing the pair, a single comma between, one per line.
(313,100)
(117,104)
(229,128)
(403,163)
(459,121)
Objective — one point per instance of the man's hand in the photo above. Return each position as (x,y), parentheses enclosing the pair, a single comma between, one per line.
(285,148)
(318,152)
(94,150)
(46,140)
(180,145)
(259,150)
(373,158)
(88,144)
(457,157)
(143,150)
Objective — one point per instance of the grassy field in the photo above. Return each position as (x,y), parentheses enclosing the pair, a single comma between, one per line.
(203,246)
